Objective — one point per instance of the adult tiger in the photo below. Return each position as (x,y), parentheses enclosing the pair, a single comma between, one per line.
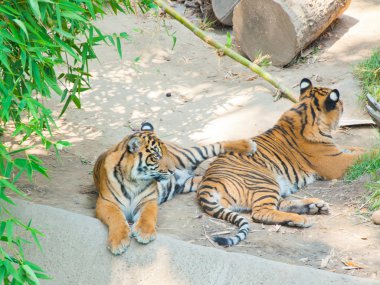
(292,154)
(139,173)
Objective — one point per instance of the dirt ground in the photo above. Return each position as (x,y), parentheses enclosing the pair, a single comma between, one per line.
(213,98)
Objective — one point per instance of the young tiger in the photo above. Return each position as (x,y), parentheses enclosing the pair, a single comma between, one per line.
(292,154)
(139,173)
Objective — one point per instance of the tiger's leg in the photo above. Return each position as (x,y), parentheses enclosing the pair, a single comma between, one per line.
(216,204)
(268,215)
(310,206)
(118,229)
(144,230)
(266,199)
(264,208)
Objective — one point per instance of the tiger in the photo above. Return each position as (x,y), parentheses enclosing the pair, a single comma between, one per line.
(139,173)
(295,152)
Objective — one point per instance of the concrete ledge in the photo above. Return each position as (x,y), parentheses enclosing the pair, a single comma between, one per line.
(75,253)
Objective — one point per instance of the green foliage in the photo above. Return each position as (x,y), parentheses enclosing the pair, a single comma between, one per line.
(368,72)
(228,40)
(368,164)
(45,46)
(170,34)
(374,194)
(262,60)
(206,24)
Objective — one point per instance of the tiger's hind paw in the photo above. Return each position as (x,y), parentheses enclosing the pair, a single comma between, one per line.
(144,233)
(319,207)
(253,146)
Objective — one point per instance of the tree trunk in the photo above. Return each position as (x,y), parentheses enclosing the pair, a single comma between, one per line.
(282,28)
(223,10)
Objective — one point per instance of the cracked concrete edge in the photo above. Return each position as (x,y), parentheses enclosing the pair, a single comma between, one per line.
(75,253)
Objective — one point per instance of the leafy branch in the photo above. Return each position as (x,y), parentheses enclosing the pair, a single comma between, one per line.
(45,47)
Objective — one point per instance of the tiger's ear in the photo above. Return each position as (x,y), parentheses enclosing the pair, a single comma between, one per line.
(305,85)
(146,126)
(331,100)
(134,144)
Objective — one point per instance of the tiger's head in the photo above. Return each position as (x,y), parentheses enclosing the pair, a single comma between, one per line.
(149,154)
(317,113)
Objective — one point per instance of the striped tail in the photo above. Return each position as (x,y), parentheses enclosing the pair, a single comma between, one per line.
(217,211)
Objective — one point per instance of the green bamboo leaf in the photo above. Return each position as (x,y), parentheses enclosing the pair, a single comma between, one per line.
(9,267)
(65,106)
(229,40)
(11,187)
(5,239)
(33,266)
(90,8)
(58,15)
(30,274)
(4,61)
(84,53)
(61,144)
(74,16)
(23,59)
(76,101)
(124,35)
(2,271)
(110,38)
(118,44)
(64,94)
(9,230)
(36,75)
(64,33)
(34,235)
(6,199)
(8,10)
(43,276)
(2,228)
(35,8)
(39,168)
(52,82)
(68,48)
(20,150)
(22,26)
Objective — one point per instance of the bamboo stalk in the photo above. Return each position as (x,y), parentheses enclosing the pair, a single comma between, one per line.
(282,92)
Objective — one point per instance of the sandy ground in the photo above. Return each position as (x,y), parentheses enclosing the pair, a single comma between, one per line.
(213,98)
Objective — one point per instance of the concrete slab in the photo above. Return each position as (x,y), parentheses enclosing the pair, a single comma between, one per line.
(75,253)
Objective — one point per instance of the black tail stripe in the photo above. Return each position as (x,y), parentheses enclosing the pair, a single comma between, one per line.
(197,149)
(205,201)
(217,213)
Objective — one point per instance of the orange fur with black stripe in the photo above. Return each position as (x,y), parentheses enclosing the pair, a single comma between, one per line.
(141,172)
(292,154)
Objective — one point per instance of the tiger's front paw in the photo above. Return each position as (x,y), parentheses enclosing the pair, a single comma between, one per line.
(299,221)
(144,233)
(118,241)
